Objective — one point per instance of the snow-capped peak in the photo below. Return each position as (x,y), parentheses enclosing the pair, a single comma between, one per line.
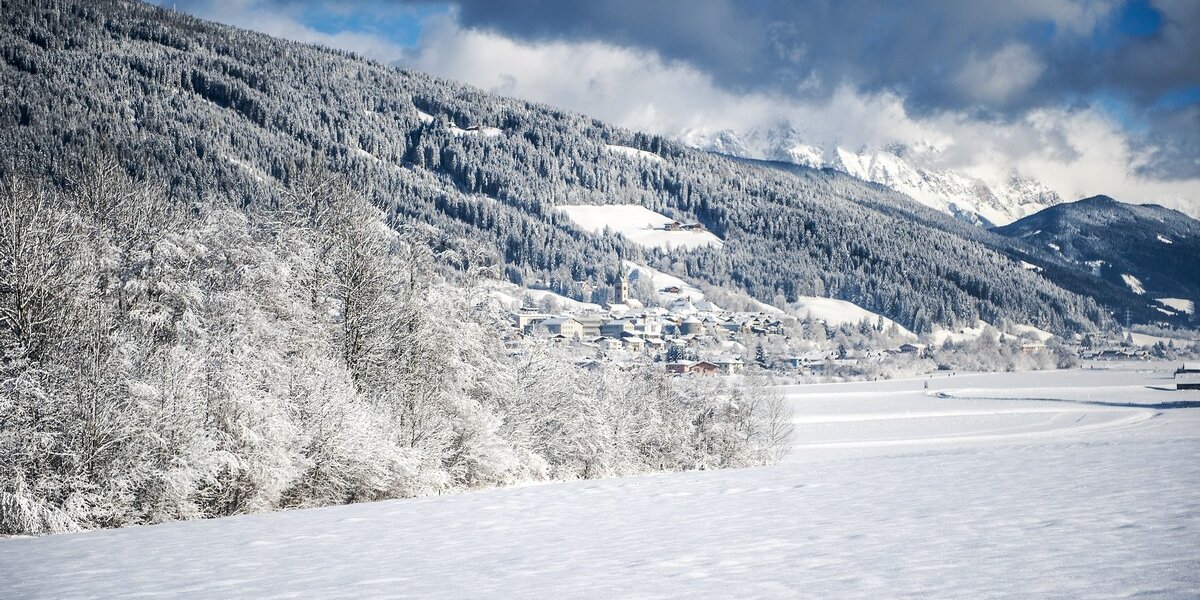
(952,192)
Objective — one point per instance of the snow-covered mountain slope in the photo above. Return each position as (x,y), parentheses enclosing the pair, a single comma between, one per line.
(1028,499)
(948,191)
(490,183)
(1150,250)
(838,312)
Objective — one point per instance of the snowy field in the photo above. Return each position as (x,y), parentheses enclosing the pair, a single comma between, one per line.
(961,490)
(638,224)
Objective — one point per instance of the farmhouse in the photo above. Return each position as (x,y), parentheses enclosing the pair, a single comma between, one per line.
(1188,377)
(685,367)
(730,366)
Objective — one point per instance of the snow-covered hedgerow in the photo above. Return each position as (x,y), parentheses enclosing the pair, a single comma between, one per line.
(160,362)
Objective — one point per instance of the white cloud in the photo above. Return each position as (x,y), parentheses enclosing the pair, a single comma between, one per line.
(1002,76)
(1077,152)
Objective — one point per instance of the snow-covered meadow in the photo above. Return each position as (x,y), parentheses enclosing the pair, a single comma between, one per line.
(944,487)
(638,224)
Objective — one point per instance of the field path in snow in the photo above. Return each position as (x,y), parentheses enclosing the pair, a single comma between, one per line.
(891,492)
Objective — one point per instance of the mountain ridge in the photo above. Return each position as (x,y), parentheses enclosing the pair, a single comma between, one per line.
(965,197)
(1148,248)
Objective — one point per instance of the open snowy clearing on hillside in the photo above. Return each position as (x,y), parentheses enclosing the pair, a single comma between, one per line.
(1145,339)
(890,491)
(661,282)
(480,131)
(638,224)
(633,153)
(1029,330)
(453,128)
(510,297)
(940,335)
(1179,304)
(1135,284)
(1164,239)
(837,312)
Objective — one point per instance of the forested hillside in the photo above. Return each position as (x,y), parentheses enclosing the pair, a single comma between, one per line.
(167,359)
(1147,249)
(215,111)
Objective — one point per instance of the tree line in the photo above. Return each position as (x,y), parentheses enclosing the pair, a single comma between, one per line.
(165,360)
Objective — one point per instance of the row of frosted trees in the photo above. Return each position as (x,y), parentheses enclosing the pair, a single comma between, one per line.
(161,361)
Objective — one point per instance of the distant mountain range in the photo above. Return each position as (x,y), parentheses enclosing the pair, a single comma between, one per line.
(951,192)
(1151,250)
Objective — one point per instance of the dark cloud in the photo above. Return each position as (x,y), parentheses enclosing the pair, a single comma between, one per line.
(993,60)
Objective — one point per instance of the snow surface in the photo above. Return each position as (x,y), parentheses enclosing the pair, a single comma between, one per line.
(837,312)
(1041,334)
(910,170)
(1164,239)
(1143,339)
(479,131)
(633,153)
(890,492)
(1028,266)
(1179,304)
(947,191)
(250,169)
(424,117)
(939,335)
(660,280)
(1135,285)
(509,296)
(638,224)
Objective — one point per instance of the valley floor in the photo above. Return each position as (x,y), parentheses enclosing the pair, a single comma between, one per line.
(893,490)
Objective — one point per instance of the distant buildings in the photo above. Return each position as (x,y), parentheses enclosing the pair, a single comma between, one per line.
(700,367)
(690,337)
(1188,377)
(677,226)
(564,326)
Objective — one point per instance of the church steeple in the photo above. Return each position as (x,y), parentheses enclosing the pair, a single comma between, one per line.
(621,289)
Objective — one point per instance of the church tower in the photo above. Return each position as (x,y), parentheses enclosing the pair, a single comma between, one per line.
(621,288)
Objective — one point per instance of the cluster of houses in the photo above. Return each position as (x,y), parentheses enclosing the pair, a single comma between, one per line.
(677,226)
(1134,353)
(683,329)
(691,335)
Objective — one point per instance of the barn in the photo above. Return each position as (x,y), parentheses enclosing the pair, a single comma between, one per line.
(1188,377)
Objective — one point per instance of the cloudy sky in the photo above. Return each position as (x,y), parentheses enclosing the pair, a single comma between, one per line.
(1088,96)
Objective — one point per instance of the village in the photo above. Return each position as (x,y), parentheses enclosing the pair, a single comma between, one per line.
(687,336)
